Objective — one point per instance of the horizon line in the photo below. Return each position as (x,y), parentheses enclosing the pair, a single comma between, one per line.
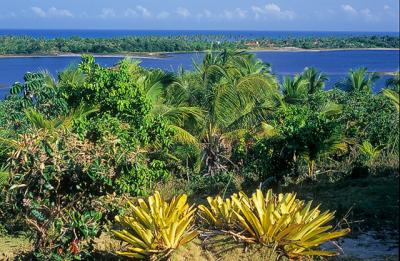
(227,30)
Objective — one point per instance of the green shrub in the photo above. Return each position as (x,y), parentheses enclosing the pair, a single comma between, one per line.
(38,91)
(56,180)
(301,135)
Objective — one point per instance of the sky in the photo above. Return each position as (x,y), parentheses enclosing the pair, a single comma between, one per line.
(290,15)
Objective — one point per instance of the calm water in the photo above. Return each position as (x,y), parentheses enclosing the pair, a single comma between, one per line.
(334,63)
(227,34)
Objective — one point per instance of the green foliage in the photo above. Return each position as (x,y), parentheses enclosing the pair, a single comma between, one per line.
(4,175)
(30,45)
(393,96)
(39,91)
(99,133)
(123,108)
(316,80)
(370,153)
(235,90)
(359,80)
(80,155)
(295,90)
(60,212)
(367,116)
(301,133)
(393,83)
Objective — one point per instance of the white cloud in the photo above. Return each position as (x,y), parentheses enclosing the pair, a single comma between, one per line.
(237,13)
(59,12)
(138,11)
(143,11)
(38,11)
(349,9)
(107,13)
(368,15)
(364,13)
(51,12)
(181,11)
(205,14)
(272,10)
(240,13)
(386,7)
(130,12)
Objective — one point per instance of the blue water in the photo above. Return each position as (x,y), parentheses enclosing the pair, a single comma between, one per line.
(334,63)
(228,34)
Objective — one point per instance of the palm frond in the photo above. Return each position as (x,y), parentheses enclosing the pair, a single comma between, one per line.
(184,137)
(316,80)
(393,96)
(331,109)
(265,130)
(295,90)
(233,135)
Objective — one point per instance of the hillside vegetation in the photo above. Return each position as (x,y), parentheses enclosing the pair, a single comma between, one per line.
(162,162)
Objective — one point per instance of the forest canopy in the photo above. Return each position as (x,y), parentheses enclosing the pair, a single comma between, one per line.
(25,45)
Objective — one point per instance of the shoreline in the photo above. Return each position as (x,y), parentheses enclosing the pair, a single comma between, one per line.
(295,49)
(161,55)
(150,55)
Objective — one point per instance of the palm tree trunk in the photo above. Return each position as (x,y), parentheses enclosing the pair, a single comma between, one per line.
(311,169)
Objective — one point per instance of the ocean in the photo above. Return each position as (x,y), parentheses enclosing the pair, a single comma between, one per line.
(335,64)
(49,34)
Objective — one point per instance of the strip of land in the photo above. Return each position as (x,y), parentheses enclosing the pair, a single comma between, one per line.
(156,45)
(160,55)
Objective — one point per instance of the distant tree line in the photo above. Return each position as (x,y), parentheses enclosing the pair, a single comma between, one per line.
(30,45)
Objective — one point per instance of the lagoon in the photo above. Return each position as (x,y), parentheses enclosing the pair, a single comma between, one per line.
(335,63)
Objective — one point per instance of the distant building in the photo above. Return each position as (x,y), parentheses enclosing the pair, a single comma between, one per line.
(253,43)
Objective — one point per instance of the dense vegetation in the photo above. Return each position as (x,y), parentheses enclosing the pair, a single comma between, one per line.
(77,45)
(74,149)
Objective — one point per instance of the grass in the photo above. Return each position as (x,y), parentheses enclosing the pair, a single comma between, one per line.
(369,203)
(11,246)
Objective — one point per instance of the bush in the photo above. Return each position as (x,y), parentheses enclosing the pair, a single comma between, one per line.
(39,91)
(56,179)
(275,220)
(156,228)
(302,135)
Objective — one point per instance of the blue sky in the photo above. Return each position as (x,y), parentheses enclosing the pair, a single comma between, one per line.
(321,15)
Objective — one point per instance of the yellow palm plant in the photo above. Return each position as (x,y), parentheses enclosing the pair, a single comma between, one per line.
(156,228)
(221,212)
(285,222)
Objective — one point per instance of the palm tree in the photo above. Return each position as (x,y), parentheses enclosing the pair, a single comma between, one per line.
(393,96)
(394,82)
(370,152)
(237,91)
(295,91)
(229,93)
(38,121)
(359,81)
(316,80)
(316,150)
(173,106)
